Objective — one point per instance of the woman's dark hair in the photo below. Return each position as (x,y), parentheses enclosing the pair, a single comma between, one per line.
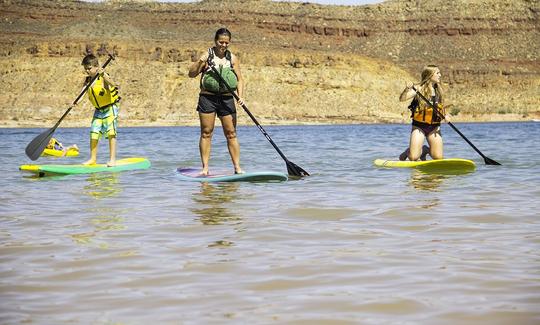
(222,31)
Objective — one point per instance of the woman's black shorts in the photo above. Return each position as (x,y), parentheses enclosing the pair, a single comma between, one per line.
(219,104)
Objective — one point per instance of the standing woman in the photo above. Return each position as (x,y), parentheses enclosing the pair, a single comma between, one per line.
(215,98)
(426,123)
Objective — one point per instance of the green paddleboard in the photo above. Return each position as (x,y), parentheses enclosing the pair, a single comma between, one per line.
(121,165)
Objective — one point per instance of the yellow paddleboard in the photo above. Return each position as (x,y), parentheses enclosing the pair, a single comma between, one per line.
(451,165)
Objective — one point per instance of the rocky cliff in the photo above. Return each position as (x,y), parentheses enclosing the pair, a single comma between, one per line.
(303,63)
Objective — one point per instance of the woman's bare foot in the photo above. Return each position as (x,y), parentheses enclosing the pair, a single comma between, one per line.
(89,162)
(204,172)
(238,171)
(111,163)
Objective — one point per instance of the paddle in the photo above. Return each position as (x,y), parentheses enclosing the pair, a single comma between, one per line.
(292,168)
(37,145)
(487,160)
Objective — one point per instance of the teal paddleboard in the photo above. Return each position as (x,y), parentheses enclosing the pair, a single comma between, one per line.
(451,165)
(193,175)
(121,165)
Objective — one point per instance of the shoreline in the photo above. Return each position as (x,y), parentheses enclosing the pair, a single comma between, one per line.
(245,121)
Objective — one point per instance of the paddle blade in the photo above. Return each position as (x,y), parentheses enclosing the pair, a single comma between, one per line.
(295,170)
(35,147)
(490,161)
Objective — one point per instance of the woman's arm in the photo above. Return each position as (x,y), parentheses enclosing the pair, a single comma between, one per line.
(240,88)
(198,66)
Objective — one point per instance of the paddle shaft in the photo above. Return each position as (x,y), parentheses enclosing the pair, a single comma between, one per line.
(435,109)
(249,113)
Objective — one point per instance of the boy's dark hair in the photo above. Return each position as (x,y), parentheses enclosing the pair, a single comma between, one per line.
(90,60)
(222,31)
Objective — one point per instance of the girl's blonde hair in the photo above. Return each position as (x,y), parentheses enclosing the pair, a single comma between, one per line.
(426,75)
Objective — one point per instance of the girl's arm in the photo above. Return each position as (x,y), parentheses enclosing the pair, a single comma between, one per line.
(407,93)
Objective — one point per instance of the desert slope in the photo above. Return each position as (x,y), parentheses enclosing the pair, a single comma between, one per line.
(303,63)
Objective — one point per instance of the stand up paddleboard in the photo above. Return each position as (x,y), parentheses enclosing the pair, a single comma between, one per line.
(452,165)
(72,152)
(121,165)
(193,175)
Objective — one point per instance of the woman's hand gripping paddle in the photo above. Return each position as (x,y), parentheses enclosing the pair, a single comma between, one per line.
(487,160)
(292,168)
(35,147)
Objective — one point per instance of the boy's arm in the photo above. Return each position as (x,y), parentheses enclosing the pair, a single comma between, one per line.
(108,79)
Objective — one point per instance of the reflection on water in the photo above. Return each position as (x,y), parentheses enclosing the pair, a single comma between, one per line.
(426,181)
(211,207)
(101,223)
(211,201)
(106,218)
(102,185)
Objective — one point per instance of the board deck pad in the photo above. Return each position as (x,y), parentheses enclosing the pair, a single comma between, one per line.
(449,165)
(121,165)
(194,175)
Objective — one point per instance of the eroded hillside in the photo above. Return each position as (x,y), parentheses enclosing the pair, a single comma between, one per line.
(303,63)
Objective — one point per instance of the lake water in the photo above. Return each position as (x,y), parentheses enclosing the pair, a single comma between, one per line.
(351,244)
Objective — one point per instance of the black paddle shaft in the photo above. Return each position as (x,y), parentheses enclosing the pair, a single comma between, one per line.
(487,160)
(37,145)
(292,168)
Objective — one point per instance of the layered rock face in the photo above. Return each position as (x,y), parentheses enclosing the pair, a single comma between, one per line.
(303,63)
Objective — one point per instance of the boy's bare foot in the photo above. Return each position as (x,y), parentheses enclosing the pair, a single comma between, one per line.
(111,163)
(239,171)
(89,162)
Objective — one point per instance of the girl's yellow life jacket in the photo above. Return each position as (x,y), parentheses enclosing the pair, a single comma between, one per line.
(101,95)
(424,113)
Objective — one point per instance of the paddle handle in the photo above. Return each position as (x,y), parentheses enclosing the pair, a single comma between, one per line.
(247,111)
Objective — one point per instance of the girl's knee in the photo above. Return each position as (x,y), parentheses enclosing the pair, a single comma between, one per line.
(436,155)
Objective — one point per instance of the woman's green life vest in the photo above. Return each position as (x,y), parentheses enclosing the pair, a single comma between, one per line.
(212,83)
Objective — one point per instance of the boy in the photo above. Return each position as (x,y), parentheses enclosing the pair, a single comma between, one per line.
(103,94)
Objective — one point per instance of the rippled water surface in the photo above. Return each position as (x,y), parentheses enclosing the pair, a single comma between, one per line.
(352,244)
